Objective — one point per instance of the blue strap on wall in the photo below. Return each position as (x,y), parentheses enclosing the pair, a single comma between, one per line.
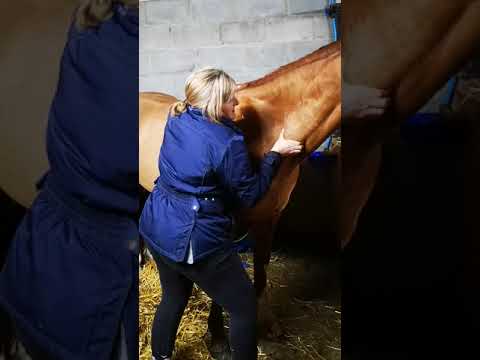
(330,12)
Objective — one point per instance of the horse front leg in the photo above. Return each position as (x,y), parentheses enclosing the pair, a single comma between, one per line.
(218,346)
(267,324)
(358,174)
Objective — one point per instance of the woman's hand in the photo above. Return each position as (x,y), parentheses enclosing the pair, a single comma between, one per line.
(286,147)
(361,101)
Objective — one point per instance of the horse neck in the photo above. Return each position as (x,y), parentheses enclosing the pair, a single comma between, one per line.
(413,61)
(283,93)
(293,99)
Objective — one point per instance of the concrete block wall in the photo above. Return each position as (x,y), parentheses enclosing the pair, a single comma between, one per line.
(247,38)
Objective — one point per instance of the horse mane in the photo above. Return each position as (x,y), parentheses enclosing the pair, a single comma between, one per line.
(317,55)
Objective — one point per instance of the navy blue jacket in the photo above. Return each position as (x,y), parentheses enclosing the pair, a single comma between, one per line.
(205,175)
(71,274)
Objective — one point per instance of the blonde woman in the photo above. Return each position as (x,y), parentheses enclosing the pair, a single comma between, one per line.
(205,174)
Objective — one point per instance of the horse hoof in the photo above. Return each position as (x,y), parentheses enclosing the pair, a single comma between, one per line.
(220,351)
(221,355)
(268,326)
(275,331)
(217,346)
(224,356)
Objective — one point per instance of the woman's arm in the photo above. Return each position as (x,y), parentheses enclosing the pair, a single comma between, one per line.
(236,173)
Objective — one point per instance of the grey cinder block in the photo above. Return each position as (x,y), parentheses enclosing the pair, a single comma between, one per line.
(195,35)
(166,11)
(144,64)
(296,50)
(244,31)
(321,27)
(305,6)
(155,37)
(172,84)
(234,10)
(172,60)
(288,28)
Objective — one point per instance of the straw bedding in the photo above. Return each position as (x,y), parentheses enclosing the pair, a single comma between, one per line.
(310,329)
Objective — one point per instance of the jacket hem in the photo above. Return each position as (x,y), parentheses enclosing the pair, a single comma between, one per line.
(151,244)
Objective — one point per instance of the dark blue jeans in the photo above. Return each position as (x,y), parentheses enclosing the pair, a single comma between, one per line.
(223,278)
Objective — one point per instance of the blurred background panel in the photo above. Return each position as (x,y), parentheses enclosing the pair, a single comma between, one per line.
(33,37)
(408,288)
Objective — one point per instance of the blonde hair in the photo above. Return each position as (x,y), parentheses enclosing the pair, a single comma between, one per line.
(206,89)
(92,13)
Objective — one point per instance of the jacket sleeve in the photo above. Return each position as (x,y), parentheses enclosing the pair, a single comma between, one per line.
(238,177)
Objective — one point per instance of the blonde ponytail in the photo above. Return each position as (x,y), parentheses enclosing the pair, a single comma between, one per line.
(178,108)
(206,89)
